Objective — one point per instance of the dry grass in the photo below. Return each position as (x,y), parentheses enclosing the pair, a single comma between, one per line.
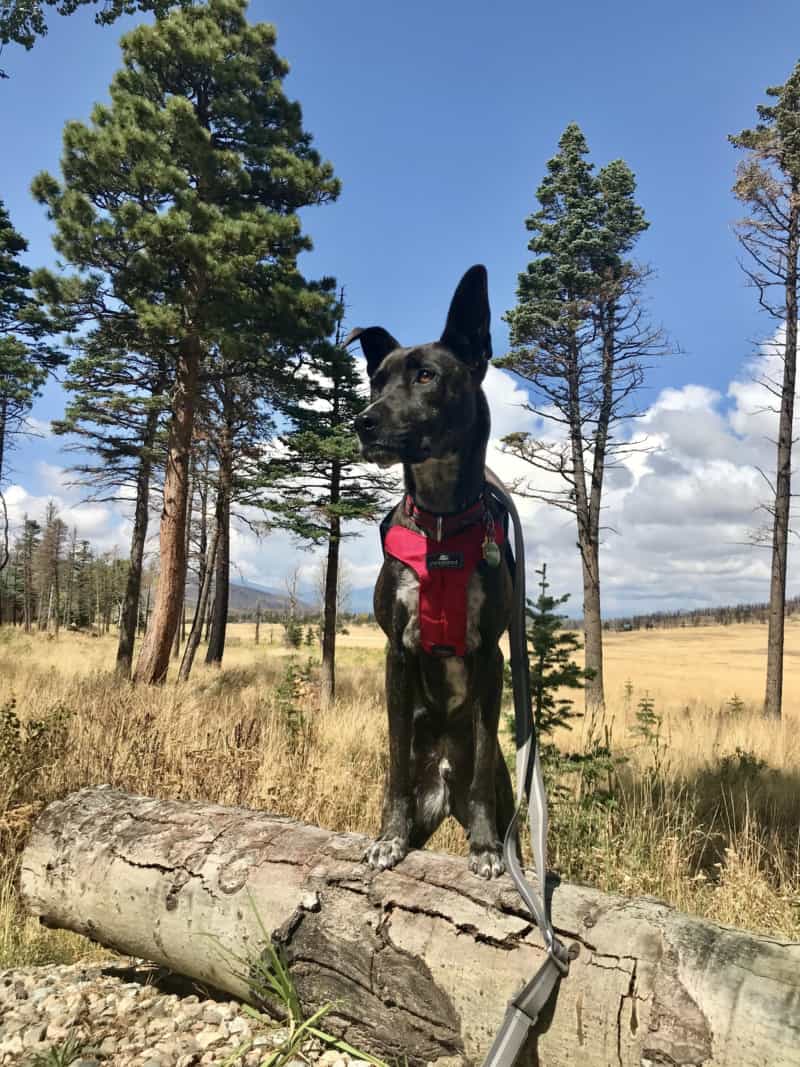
(710,829)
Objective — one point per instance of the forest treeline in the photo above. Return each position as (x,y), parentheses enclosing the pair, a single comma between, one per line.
(206,378)
(723,615)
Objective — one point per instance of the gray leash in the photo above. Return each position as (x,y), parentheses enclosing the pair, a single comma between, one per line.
(523,1011)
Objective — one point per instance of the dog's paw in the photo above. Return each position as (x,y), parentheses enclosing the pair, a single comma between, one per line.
(386,852)
(487,862)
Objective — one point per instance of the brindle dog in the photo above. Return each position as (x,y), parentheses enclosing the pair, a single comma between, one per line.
(429,412)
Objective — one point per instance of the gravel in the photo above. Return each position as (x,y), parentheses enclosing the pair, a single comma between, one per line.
(131,1016)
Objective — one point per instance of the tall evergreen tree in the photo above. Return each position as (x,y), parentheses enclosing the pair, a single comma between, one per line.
(318,482)
(25,356)
(115,413)
(579,336)
(27,548)
(768,183)
(179,207)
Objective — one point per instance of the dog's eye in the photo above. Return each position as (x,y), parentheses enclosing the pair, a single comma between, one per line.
(424,376)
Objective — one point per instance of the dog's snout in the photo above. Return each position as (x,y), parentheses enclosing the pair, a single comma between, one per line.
(366,424)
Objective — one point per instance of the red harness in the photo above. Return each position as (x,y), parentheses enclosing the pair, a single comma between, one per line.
(443,564)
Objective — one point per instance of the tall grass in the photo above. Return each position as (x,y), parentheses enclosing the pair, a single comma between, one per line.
(713,828)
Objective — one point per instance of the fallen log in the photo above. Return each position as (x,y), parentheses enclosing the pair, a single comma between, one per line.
(420,961)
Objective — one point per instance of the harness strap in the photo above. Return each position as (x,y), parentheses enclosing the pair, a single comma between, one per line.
(445,524)
(524,1009)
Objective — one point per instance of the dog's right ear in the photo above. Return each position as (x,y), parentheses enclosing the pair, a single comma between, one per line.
(467,331)
(376,344)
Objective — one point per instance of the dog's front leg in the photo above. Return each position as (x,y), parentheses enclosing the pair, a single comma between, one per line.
(398,807)
(485,848)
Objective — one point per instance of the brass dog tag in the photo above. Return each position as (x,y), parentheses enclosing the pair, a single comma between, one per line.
(491,553)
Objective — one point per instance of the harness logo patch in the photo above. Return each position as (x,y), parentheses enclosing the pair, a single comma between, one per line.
(445,561)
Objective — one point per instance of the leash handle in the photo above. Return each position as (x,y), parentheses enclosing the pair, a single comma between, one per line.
(524,1009)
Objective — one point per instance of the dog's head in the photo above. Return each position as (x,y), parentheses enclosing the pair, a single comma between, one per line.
(425,399)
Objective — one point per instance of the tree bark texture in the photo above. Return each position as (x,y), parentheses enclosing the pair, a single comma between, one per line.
(219,619)
(773,698)
(420,961)
(328,667)
(196,631)
(588,543)
(133,586)
(153,661)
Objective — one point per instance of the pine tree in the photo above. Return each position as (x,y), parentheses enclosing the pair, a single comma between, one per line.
(27,549)
(579,336)
(25,357)
(115,414)
(22,21)
(768,183)
(48,563)
(552,668)
(317,481)
(179,207)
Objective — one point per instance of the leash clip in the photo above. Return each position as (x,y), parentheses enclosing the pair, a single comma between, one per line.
(439,523)
(562,956)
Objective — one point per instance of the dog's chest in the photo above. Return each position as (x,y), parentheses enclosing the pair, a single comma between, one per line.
(408,595)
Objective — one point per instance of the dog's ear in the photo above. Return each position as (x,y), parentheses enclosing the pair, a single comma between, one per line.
(376,344)
(467,331)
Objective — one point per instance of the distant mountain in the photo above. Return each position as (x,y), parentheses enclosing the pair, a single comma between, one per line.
(245,598)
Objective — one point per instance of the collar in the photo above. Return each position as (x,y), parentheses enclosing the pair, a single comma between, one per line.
(444,525)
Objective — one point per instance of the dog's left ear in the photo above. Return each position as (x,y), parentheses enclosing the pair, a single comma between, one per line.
(467,331)
(376,344)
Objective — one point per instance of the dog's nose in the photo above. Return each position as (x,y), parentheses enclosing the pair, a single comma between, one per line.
(366,424)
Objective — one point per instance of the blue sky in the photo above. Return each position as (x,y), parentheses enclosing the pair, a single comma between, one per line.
(439,119)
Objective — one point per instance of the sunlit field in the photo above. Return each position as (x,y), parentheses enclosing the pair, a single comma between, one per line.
(696,801)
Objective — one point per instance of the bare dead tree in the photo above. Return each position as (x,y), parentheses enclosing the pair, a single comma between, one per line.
(768,183)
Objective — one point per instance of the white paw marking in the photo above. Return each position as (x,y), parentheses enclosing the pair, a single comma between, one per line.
(386,853)
(487,863)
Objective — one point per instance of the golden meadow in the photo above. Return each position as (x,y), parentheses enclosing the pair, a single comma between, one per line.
(695,801)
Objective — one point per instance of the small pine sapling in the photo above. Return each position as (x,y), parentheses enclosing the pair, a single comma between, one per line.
(551,649)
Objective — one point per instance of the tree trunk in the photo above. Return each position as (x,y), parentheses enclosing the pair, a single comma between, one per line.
(219,623)
(589,548)
(328,674)
(773,698)
(594,689)
(49,609)
(130,605)
(193,640)
(153,662)
(177,639)
(419,962)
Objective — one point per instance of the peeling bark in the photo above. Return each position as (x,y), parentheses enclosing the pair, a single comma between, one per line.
(421,960)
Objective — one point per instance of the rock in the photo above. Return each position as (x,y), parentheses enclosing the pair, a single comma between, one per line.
(34,1035)
(330,1058)
(207,1037)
